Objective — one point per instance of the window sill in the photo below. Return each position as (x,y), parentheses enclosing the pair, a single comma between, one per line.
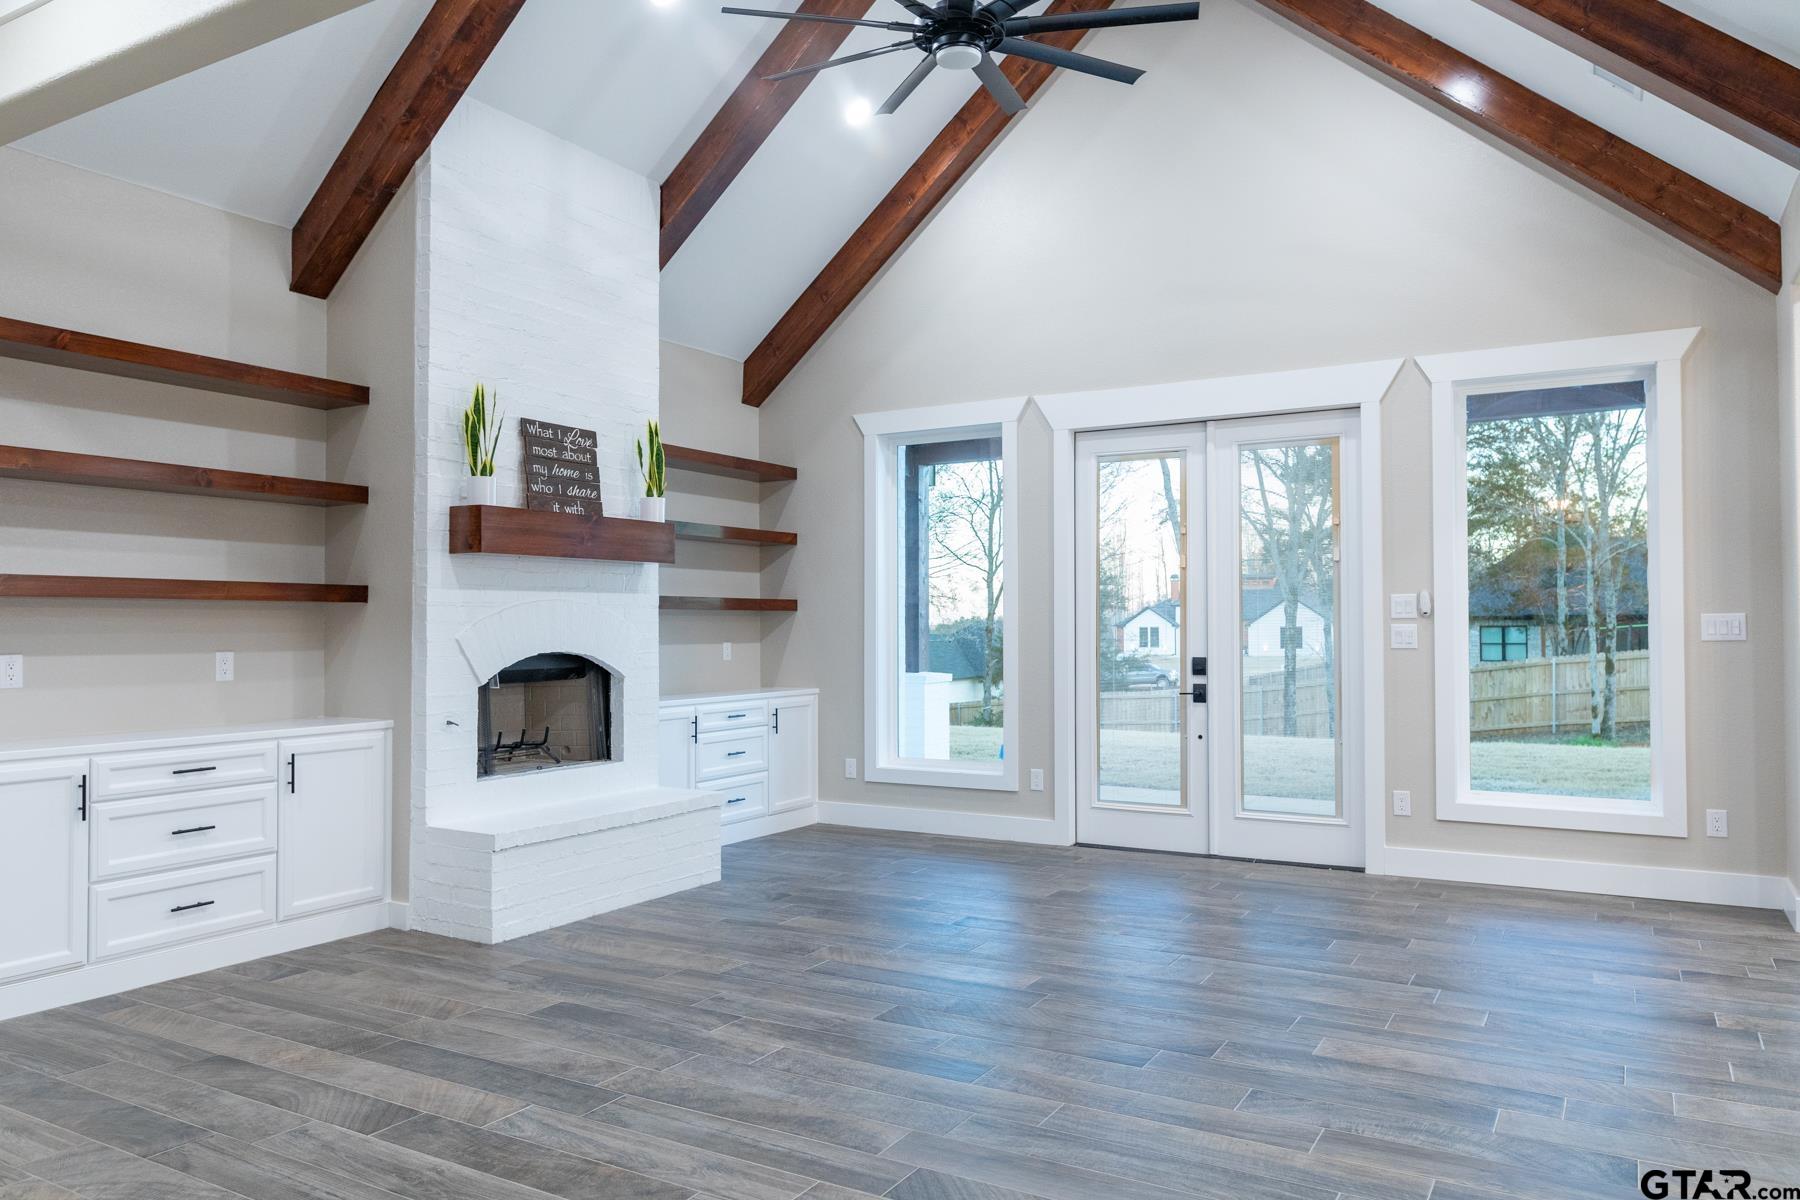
(1597,815)
(920,775)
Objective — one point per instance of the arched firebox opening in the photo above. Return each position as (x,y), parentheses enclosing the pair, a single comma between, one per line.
(545,711)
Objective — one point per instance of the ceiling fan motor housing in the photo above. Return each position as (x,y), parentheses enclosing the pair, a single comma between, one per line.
(958,42)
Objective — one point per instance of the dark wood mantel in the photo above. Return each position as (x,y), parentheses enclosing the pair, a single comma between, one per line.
(492,529)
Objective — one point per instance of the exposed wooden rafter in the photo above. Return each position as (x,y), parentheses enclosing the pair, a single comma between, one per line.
(416,99)
(933,175)
(748,117)
(1697,213)
(1749,94)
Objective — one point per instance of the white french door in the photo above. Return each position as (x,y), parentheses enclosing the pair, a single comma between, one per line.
(1217,575)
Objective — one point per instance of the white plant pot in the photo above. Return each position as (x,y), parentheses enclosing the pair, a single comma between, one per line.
(480,489)
(650,508)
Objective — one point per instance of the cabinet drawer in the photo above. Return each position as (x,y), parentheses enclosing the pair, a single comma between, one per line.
(157,833)
(178,906)
(744,798)
(154,772)
(750,715)
(723,755)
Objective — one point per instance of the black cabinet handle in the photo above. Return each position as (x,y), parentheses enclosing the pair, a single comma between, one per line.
(193,770)
(83,787)
(293,772)
(737,799)
(695,735)
(736,753)
(193,829)
(192,907)
(778,720)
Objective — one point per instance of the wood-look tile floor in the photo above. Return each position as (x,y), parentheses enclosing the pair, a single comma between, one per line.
(856,1013)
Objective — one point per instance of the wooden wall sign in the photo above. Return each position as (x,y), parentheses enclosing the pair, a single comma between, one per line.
(561,469)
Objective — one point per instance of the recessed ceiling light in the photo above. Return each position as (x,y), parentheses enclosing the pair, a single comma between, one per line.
(858,112)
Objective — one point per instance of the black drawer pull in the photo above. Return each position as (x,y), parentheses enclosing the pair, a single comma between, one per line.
(193,770)
(191,907)
(736,716)
(737,799)
(736,753)
(193,829)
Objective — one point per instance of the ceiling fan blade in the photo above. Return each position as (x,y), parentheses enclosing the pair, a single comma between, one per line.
(926,66)
(1085,63)
(999,86)
(838,62)
(917,9)
(960,8)
(1000,10)
(897,26)
(1148,14)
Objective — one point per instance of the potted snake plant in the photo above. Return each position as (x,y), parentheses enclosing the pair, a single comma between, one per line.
(654,469)
(481,435)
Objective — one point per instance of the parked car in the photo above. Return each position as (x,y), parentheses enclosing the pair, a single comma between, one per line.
(1145,675)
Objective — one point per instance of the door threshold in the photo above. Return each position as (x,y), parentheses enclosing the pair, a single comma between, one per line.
(1267,862)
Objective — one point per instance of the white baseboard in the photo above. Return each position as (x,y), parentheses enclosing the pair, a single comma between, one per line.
(1790,903)
(75,984)
(399,914)
(1606,879)
(743,831)
(1038,831)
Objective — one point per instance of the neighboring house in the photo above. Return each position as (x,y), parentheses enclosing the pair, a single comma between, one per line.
(1263,614)
(1512,608)
(957,651)
(1152,631)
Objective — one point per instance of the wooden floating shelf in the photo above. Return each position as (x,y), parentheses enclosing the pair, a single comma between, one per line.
(733,535)
(98,587)
(727,604)
(135,360)
(705,462)
(93,470)
(492,529)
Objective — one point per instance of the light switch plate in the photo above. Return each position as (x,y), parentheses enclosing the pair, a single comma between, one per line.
(1724,627)
(1716,825)
(12,670)
(1403,635)
(224,667)
(849,768)
(1037,779)
(1403,605)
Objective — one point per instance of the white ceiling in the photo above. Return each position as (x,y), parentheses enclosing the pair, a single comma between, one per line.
(636,81)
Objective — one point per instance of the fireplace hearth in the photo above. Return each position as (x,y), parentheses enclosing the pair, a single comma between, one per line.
(547,711)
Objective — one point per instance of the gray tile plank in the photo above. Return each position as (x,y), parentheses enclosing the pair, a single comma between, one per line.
(186,1100)
(401,1171)
(500,1079)
(307,1097)
(264,1174)
(103,1173)
(527,1164)
(92,1115)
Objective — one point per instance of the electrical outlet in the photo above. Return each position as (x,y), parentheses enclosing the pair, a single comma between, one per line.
(727,646)
(1715,823)
(849,768)
(1403,804)
(1037,779)
(12,670)
(224,667)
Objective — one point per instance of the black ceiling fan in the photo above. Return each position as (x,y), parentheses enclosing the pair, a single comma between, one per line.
(964,35)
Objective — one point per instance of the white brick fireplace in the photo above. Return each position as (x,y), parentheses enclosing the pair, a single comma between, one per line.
(538,277)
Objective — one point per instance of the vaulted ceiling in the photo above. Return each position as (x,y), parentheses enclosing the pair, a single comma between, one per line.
(637,81)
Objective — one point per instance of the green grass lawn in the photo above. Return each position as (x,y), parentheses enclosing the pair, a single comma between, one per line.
(1305,768)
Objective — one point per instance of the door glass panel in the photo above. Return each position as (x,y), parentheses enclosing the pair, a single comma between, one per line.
(1140,578)
(1287,628)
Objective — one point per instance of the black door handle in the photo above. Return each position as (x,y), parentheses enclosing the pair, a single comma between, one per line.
(192,907)
(1199,693)
(194,829)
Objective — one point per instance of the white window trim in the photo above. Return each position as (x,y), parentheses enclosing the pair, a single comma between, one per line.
(882,432)
(1657,358)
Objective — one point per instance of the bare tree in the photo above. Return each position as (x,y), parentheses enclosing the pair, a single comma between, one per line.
(966,530)
(1289,507)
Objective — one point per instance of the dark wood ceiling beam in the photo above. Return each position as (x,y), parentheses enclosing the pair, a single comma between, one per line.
(933,175)
(748,117)
(1693,211)
(415,100)
(1749,94)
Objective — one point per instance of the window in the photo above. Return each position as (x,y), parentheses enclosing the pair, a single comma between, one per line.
(941,511)
(1149,637)
(1557,503)
(1505,643)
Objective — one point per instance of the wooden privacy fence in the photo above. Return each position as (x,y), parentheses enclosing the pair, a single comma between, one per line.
(1551,695)
(1262,704)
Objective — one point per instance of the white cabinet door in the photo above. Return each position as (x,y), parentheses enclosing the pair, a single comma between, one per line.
(793,753)
(333,836)
(43,875)
(675,748)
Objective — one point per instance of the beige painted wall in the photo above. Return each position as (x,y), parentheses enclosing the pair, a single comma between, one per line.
(1787,320)
(702,407)
(90,252)
(373,330)
(1255,204)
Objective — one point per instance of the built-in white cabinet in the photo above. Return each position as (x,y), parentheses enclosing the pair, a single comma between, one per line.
(125,859)
(331,798)
(44,883)
(758,750)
